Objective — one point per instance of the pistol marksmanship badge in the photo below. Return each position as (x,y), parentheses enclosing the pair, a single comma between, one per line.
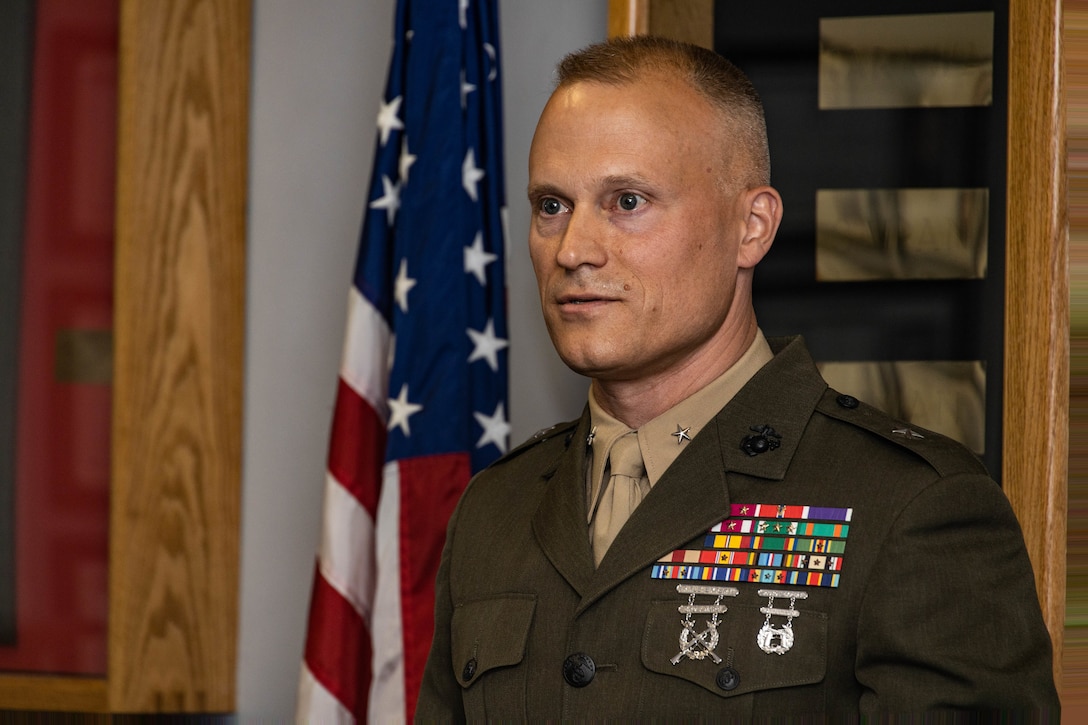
(772,639)
(694,644)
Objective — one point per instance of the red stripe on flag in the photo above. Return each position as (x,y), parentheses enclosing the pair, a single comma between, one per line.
(338,648)
(357,447)
(430,488)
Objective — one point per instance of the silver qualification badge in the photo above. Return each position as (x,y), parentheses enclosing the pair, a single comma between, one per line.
(772,639)
(694,644)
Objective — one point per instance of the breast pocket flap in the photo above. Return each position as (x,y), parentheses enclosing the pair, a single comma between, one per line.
(489,633)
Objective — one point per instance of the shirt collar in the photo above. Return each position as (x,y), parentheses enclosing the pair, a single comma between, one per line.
(665,437)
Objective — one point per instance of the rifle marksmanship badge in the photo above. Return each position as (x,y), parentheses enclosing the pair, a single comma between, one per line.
(774,639)
(695,643)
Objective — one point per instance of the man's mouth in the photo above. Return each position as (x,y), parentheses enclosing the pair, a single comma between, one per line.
(580,298)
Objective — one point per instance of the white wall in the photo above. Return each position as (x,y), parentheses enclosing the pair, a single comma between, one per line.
(318,75)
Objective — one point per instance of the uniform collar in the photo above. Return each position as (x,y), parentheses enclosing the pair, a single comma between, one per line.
(666,436)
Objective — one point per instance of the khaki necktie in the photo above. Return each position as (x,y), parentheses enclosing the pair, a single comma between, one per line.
(624,491)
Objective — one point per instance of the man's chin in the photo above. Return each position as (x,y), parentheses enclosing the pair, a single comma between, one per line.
(584,365)
(597,367)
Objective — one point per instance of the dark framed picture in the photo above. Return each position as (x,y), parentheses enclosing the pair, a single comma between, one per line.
(888,134)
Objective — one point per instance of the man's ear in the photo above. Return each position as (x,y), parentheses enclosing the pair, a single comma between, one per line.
(763,206)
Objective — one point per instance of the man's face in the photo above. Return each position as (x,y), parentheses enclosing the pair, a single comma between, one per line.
(633,240)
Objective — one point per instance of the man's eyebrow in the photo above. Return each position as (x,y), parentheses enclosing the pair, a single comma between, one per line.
(615,181)
(624,180)
(538,190)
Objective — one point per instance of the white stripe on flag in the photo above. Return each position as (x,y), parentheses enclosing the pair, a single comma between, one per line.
(387,699)
(316,705)
(347,557)
(366,362)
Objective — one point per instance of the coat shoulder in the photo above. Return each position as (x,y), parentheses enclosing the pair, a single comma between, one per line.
(536,459)
(945,456)
(543,446)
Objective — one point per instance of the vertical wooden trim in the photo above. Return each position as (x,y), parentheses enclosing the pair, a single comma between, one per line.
(690,20)
(1036,411)
(177,407)
(628,17)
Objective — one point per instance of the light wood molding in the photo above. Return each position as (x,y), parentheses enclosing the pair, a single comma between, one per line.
(44,692)
(628,17)
(179,338)
(1036,390)
(689,20)
(177,379)
(1036,385)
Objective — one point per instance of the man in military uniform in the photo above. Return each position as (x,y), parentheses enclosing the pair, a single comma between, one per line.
(719,535)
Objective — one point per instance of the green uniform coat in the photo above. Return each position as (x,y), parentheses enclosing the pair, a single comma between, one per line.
(935,608)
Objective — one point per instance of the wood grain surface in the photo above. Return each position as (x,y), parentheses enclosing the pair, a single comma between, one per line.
(1036,389)
(179,334)
(43,692)
(689,20)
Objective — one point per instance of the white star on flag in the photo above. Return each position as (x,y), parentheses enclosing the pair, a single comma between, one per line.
(494,72)
(486,345)
(477,258)
(462,7)
(400,410)
(404,285)
(406,160)
(388,120)
(466,88)
(495,428)
(470,175)
(389,200)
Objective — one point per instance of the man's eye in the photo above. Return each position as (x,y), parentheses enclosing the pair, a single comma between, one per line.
(551,206)
(629,201)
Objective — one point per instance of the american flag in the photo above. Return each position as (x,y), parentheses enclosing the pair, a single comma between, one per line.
(421,403)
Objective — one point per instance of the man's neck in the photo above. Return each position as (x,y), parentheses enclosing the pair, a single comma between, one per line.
(637,401)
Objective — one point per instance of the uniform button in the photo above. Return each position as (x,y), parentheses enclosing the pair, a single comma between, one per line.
(470,670)
(727,678)
(579,669)
(847,401)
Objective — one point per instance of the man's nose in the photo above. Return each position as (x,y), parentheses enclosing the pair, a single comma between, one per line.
(583,241)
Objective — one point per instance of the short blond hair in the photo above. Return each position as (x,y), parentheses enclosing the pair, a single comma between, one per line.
(620,61)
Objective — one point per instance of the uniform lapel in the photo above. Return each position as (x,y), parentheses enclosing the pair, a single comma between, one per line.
(560,521)
(689,498)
